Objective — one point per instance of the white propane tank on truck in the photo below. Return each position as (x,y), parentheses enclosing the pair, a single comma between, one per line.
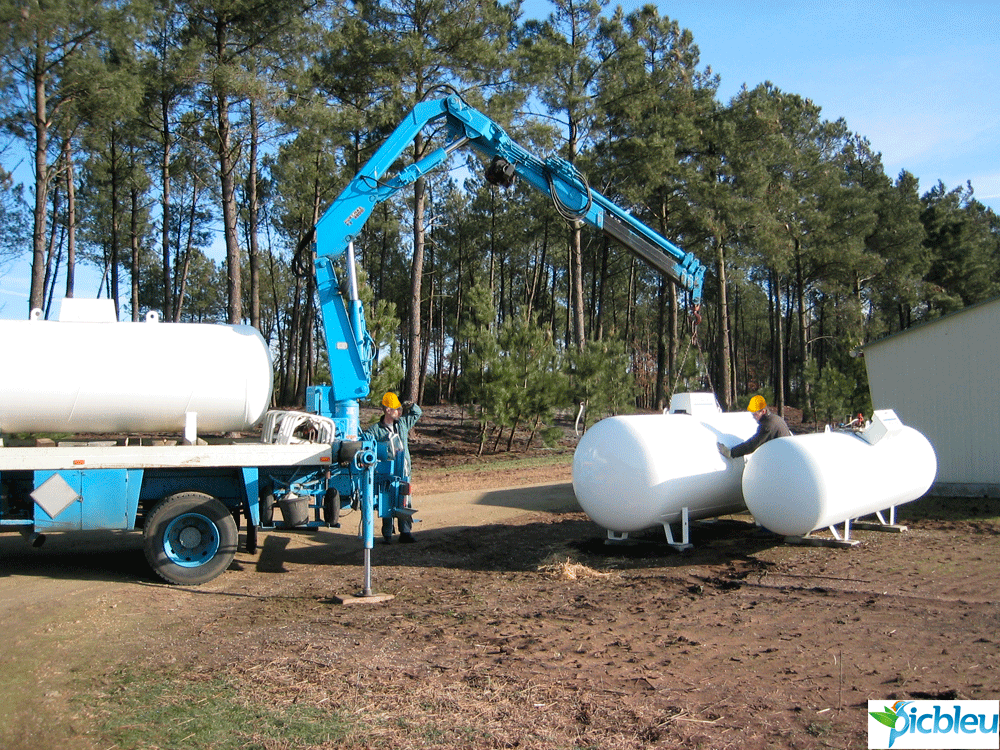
(796,485)
(635,472)
(88,373)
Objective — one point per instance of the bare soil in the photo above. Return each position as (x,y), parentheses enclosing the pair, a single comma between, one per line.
(513,625)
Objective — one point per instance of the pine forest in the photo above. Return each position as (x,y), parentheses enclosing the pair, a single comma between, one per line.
(183,150)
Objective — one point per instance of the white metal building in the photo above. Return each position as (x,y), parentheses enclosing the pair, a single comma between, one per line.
(943,379)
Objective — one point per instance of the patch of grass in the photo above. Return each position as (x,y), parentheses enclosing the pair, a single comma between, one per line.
(145,710)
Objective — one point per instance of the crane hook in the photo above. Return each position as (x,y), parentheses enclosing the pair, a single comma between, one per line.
(695,321)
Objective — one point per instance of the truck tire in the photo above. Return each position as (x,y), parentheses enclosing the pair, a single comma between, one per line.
(251,535)
(267,509)
(331,507)
(190,538)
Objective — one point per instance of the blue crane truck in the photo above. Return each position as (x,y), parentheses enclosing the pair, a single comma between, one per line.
(189,498)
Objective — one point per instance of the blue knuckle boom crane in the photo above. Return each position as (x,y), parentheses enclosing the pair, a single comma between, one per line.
(568,189)
(349,345)
(188,497)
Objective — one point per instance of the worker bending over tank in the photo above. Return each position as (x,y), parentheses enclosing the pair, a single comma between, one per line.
(769,427)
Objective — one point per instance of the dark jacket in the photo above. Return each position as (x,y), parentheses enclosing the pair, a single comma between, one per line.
(771,426)
(381,433)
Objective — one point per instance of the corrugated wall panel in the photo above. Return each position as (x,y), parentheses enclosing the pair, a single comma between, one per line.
(943,379)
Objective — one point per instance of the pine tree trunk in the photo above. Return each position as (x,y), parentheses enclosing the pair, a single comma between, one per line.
(184,262)
(724,386)
(134,245)
(234,290)
(70,223)
(165,209)
(601,280)
(779,349)
(42,178)
(253,251)
(662,358)
(227,179)
(413,359)
(50,253)
(513,431)
(673,334)
(576,253)
(115,212)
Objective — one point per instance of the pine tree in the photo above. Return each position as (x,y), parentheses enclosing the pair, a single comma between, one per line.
(50,53)
(656,103)
(560,54)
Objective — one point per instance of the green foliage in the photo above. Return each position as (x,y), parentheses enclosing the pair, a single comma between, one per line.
(13,222)
(387,374)
(833,394)
(964,245)
(599,376)
(529,370)
(479,384)
(383,326)
(514,377)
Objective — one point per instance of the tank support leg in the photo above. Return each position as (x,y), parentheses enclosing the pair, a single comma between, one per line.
(685,542)
(834,540)
(882,524)
(847,531)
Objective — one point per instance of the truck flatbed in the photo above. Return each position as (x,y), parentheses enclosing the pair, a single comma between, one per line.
(79,457)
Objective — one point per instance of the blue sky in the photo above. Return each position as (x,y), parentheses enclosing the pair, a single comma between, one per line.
(920,80)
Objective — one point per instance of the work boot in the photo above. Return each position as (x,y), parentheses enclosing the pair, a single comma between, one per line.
(407,538)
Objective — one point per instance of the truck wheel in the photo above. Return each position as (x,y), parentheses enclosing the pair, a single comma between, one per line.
(251,535)
(331,507)
(267,509)
(190,538)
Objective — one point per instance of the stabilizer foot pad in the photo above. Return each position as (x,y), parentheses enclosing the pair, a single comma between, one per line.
(362,599)
(821,541)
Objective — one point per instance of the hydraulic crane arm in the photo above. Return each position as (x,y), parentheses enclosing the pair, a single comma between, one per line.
(574,199)
(569,191)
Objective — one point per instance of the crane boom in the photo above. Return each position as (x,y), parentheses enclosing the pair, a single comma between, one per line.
(375,182)
(350,347)
(342,222)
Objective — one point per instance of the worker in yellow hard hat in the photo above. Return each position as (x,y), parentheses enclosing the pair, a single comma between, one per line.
(394,428)
(769,427)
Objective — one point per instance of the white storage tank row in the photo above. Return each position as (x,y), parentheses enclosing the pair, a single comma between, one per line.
(634,472)
(88,373)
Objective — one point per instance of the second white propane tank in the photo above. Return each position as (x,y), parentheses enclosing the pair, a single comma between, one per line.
(109,377)
(634,472)
(795,485)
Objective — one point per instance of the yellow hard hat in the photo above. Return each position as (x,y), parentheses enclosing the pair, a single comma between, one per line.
(390,401)
(757,403)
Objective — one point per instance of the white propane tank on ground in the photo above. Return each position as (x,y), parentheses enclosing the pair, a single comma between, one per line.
(795,485)
(109,377)
(634,472)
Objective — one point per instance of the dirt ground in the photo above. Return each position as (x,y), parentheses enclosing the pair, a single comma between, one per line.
(513,625)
